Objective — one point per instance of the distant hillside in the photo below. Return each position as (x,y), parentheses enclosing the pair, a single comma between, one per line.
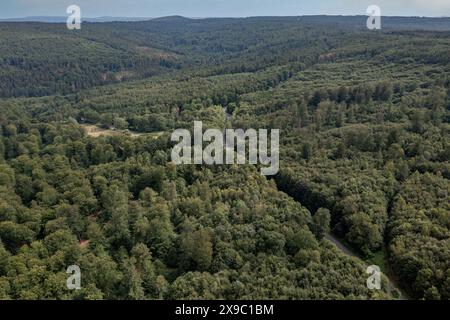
(118,51)
(63,19)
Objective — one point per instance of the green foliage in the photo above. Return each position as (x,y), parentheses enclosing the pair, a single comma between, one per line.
(321,222)
(364,121)
(420,236)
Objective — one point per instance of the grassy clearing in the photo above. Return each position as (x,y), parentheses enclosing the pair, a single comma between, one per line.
(96,132)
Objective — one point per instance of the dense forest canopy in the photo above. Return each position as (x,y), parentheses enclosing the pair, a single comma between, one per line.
(365,149)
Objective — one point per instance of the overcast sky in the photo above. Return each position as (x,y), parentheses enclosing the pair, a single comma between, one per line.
(220,8)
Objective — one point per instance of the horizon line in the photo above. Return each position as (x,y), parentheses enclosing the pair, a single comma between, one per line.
(225,17)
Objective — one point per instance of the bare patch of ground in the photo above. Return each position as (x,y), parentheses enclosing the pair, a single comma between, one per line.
(95,132)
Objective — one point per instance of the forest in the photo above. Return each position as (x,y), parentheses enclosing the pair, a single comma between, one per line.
(364,119)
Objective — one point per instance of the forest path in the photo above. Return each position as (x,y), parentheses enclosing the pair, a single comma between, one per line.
(392,287)
(340,245)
